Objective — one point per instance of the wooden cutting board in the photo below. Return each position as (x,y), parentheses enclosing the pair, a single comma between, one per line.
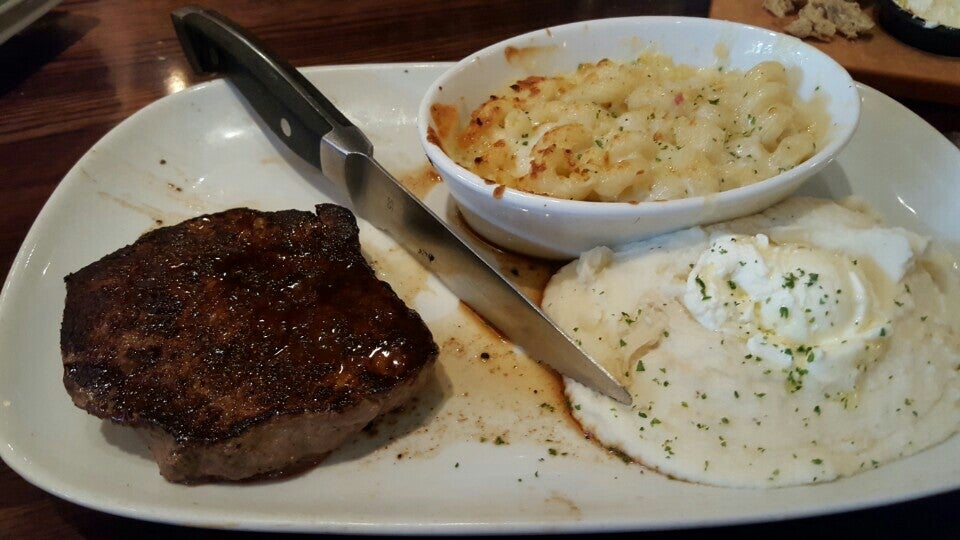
(878,60)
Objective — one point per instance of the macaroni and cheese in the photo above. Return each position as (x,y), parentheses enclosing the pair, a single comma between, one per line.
(648,130)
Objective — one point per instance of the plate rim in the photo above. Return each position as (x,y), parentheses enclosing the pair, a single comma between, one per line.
(44,480)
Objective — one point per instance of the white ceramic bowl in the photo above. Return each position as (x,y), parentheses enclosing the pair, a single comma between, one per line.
(558,228)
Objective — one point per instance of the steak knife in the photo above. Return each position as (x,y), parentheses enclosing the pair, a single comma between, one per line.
(319,133)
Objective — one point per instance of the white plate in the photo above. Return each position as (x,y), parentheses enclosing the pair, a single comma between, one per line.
(438,467)
(15,15)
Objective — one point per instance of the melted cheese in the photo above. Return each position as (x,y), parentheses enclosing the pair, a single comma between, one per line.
(640,131)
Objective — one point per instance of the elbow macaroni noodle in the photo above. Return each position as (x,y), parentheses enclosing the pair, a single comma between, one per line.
(649,130)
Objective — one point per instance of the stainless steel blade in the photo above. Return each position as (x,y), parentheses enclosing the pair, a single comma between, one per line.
(384,202)
(313,128)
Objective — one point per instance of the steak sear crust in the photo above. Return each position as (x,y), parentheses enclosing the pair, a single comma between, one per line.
(242,343)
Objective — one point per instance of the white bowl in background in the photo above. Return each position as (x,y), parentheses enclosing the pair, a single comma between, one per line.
(558,228)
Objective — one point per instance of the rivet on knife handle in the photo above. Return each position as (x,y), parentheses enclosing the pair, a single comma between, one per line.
(312,127)
(291,107)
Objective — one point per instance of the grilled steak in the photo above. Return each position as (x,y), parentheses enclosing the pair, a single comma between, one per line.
(242,343)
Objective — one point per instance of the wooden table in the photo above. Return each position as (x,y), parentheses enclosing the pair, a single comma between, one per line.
(82,68)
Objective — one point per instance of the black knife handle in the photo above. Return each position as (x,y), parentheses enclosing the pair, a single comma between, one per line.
(286,101)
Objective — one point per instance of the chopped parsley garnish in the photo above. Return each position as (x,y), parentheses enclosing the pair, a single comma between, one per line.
(703,288)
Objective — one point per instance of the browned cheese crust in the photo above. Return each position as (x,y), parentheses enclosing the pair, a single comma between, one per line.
(225,336)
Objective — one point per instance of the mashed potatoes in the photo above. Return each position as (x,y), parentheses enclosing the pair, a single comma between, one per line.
(649,130)
(795,346)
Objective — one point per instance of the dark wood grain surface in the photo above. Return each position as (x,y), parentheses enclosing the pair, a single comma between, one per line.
(79,70)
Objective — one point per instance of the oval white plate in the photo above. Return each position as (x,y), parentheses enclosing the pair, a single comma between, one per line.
(219,158)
